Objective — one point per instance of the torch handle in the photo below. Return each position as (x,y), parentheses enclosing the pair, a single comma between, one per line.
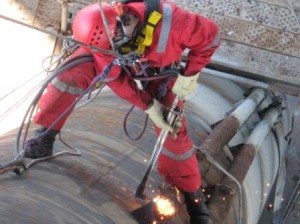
(156,151)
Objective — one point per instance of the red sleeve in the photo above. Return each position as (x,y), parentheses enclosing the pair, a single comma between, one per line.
(126,88)
(201,36)
(122,85)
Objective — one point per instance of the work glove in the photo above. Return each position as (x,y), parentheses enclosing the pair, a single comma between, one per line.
(155,113)
(185,85)
(176,127)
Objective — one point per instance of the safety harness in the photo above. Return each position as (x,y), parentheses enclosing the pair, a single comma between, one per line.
(144,39)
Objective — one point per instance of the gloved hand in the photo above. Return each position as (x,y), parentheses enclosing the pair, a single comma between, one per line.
(185,85)
(176,127)
(155,113)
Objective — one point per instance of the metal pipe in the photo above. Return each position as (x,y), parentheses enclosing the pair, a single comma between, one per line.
(226,129)
(262,129)
(64,17)
(243,112)
(222,198)
(220,136)
(257,138)
(157,149)
(276,87)
(235,78)
(230,176)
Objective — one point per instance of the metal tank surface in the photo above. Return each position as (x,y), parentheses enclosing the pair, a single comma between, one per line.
(99,185)
(240,128)
(216,100)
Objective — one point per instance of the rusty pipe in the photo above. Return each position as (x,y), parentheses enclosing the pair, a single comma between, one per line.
(223,196)
(226,129)
(230,176)
(221,200)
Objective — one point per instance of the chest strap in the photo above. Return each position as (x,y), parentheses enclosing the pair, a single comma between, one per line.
(146,37)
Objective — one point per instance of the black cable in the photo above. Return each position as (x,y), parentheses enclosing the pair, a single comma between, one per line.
(28,114)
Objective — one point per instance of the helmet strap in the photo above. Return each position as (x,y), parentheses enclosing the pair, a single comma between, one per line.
(105,22)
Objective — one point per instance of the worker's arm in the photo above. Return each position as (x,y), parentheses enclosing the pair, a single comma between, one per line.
(201,36)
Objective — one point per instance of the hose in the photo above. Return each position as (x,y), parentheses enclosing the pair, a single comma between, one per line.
(28,114)
(162,75)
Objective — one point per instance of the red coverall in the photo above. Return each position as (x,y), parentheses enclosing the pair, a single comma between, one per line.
(200,35)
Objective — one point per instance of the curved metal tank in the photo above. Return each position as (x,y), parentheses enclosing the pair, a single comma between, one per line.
(99,186)
(214,100)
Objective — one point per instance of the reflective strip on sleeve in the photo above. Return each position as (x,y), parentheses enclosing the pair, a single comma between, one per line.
(216,41)
(65,88)
(174,156)
(165,29)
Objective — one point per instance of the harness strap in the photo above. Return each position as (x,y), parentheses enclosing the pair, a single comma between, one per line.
(151,5)
(146,37)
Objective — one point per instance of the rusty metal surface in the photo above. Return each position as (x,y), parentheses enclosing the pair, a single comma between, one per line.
(242,162)
(220,136)
(97,187)
(222,198)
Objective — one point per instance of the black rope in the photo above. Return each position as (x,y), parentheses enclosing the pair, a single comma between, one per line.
(163,75)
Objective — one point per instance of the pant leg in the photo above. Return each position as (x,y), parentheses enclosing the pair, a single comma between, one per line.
(183,173)
(62,92)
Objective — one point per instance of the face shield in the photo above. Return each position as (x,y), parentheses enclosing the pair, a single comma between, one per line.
(126,29)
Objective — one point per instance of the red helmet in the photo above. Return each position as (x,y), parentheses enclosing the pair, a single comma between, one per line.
(88,26)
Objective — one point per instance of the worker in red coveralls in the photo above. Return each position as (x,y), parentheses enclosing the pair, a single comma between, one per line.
(159,36)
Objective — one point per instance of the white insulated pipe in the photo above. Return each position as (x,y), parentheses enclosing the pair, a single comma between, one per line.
(258,136)
(244,111)
(262,129)
(275,87)
(235,78)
